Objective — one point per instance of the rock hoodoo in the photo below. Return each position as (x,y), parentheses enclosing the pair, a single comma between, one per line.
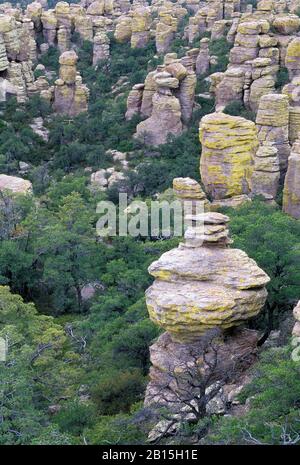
(203,283)
(70,95)
(228,147)
(291,191)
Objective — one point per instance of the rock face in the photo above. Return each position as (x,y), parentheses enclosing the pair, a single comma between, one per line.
(203,284)
(296,313)
(272,123)
(203,59)
(101,47)
(70,95)
(291,191)
(140,27)
(228,147)
(187,189)
(266,175)
(166,98)
(14,184)
(165,31)
(134,101)
(164,120)
(200,286)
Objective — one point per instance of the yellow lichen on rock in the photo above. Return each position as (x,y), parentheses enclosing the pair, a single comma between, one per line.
(228,147)
(203,284)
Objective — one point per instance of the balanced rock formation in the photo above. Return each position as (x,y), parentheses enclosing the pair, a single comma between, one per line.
(203,283)
(166,98)
(291,191)
(70,95)
(199,287)
(228,147)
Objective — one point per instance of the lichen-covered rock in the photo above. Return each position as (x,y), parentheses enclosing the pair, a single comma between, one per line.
(84,27)
(291,191)
(187,189)
(123,29)
(67,69)
(292,59)
(150,88)
(49,22)
(14,184)
(266,175)
(228,147)
(272,123)
(165,31)
(70,95)
(200,286)
(286,24)
(186,91)
(63,39)
(140,26)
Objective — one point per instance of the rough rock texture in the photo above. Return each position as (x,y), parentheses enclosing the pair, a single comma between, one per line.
(165,31)
(292,60)
(101,47)
(14,184)
(291,191)
(164,120)
(134,101)
(266,174)
(123,29)
(203,284)
(70,95)
(296,328)
(187,189)
(167,99)
(238,350)
(272,124)
(230,88)
(140,26)
(228,147)
(203,59)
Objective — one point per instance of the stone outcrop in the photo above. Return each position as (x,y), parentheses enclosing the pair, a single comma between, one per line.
(201,286)
(14,184)
(272,123)
(266,174)
(70,95)
(291,191)
(134,101)
(203,283)
(165,31)
(166,98)
(101,47)
(203,58)
(228,147)
(296,328)
(165,118)
(140,27)
(187,189)
(292,59)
